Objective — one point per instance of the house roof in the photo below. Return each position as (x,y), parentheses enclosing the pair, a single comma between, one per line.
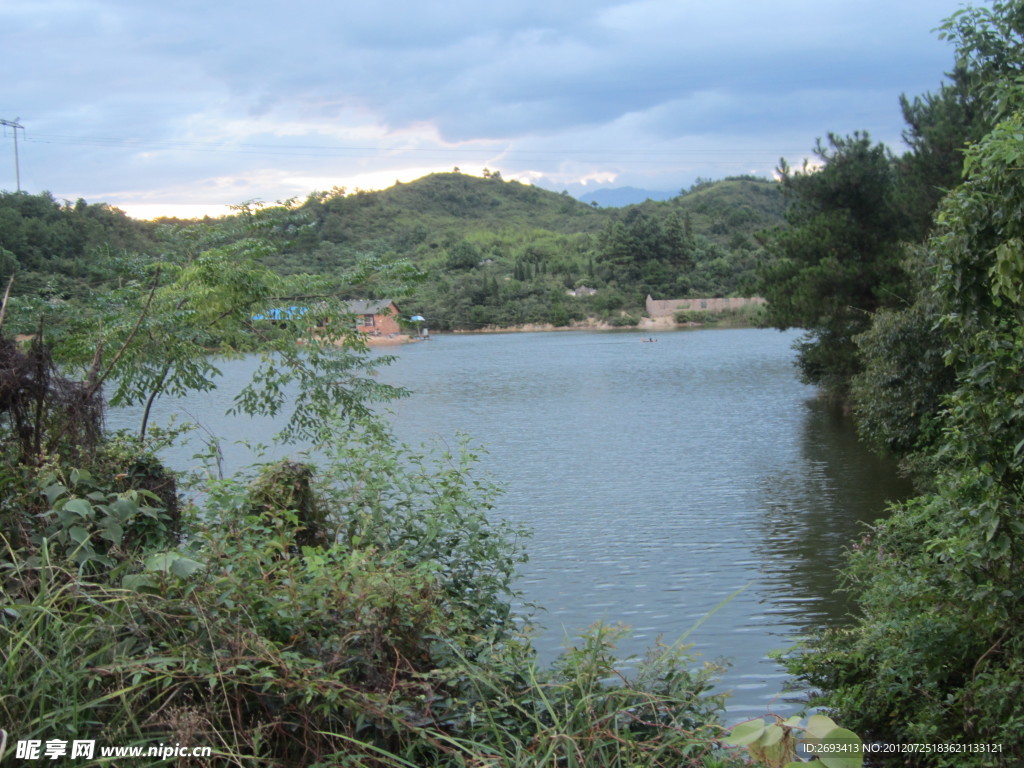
(281,313)
(369,306)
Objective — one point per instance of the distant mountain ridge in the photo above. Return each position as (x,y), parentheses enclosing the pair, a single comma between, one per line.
(623,196)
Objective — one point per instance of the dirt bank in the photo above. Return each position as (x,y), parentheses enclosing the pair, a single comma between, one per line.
(590,324)
(657,323)
(388,341)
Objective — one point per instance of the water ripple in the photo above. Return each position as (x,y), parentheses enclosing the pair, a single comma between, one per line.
(689,485)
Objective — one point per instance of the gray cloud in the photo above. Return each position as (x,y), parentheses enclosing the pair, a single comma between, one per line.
(181,101)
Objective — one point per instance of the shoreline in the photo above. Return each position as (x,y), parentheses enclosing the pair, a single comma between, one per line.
(389,341)
(645,324)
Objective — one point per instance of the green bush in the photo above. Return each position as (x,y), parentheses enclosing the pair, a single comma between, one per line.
(387,638)
(623,320)
(751,315)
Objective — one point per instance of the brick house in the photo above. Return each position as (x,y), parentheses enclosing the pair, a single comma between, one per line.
(375,317)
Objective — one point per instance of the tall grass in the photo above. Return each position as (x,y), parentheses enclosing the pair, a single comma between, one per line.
(61,640)
(586,711)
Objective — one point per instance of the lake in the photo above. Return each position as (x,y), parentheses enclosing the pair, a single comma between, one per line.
(659,479)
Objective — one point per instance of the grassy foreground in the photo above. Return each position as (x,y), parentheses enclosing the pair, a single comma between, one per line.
(357,615)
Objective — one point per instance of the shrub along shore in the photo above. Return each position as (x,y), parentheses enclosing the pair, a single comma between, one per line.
(357,613)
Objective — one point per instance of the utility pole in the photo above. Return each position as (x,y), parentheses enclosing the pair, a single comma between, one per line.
(15,125)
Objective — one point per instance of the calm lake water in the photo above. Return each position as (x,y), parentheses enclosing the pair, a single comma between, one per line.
(658,478)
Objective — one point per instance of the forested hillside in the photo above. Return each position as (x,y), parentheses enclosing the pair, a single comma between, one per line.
(495,252)
(61,249)
(487,251)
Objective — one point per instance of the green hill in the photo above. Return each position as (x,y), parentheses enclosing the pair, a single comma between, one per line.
(489,251)
(62,249)
(498,252)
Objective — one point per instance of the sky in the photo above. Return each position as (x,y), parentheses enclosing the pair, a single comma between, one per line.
(182,107)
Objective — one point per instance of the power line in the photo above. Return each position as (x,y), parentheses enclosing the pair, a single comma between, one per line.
(319,150)
(15,125)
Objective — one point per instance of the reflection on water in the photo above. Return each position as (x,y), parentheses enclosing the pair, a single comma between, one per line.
(659,479)
(814,514)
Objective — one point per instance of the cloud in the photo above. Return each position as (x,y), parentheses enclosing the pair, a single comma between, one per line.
(152,101)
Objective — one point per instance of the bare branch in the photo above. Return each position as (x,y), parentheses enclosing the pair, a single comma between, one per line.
(3,305)
(98,381)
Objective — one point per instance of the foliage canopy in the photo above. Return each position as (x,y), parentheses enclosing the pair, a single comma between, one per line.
(936,655)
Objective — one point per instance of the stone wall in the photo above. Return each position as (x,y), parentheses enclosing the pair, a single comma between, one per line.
(668,307)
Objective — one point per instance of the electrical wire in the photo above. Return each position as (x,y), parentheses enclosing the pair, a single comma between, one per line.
(736,155)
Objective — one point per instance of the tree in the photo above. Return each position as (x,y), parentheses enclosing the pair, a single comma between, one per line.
(937,653)
(154,337)
(838,261)
(939,126)
(463,255)
(990,53)
(637,248)
(901,390)
(899,395)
